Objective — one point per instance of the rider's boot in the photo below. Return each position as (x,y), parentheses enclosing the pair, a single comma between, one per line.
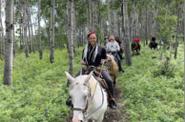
(110,89)
(112,104)
(111,100)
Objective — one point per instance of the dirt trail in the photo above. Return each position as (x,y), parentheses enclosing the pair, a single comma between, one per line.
(120,114)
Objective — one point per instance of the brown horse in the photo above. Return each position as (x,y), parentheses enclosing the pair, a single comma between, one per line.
(112,67)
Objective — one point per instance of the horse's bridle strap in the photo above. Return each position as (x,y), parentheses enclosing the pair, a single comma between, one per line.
(78,109)
(81,109)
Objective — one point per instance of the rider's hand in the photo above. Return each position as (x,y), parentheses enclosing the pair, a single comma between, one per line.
(83,63)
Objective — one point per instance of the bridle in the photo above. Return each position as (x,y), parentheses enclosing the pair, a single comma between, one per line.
(83,110)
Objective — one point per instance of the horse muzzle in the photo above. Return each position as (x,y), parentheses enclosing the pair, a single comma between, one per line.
(78,116)
(77,120)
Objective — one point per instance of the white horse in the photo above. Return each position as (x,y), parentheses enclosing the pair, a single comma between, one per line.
(88,97)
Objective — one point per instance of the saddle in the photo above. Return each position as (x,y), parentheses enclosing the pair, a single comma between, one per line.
(97,75)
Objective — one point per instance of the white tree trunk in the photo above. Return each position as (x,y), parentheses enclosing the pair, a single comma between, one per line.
(184,24)
(126,32)
(177,31)
(14,31)
(108,21)
(25,26)
(1,32)
(92,15)
(88,13)
(1,29)
(184,37)
(146,26)
(39,34)
(134,22)
(30,37)
(9,43)
(142,21)
(31,30)
(52,31)
(71,34)
(114,22)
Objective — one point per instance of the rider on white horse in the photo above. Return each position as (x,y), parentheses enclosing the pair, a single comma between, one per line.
(93,55)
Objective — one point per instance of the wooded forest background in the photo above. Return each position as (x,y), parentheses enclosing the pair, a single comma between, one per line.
(35,25)
(40,39)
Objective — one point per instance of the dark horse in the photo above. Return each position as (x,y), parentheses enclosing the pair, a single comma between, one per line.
(153,44)
(135,48)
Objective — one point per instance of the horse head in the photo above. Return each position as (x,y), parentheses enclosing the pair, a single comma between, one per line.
(110,58)
(112,67)
(111,63)
(79,92)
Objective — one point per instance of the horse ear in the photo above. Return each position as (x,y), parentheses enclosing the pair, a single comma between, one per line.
(69,77)
(86,82)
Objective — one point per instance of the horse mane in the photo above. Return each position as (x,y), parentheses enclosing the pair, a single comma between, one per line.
(92,84)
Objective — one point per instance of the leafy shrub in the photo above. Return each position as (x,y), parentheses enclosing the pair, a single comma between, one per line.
(165,68)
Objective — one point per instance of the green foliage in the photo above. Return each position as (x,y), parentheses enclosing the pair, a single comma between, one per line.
(165,68)
(81,12)
(38,92)
(104,10)
(153,99)
(39,89)
(167,24)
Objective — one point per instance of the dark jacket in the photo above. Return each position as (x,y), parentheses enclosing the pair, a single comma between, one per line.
(93,55)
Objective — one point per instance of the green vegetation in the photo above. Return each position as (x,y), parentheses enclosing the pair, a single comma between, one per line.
(150,98)
(38,92)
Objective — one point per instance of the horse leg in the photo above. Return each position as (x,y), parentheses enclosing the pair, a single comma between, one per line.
(114,80)
(137,51)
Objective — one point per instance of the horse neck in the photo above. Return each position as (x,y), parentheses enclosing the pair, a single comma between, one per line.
(113,64)
(96,93)
(94,86)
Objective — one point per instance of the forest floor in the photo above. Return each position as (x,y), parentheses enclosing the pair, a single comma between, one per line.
(120,114)
(38,92)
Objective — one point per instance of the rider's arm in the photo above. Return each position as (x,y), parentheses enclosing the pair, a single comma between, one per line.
(117,46)
(83,54)
(83,60)
(103,54)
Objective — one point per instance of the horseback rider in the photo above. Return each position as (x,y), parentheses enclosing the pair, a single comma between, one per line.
(113,47)
(135,46)
(94,55)
(153,44)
